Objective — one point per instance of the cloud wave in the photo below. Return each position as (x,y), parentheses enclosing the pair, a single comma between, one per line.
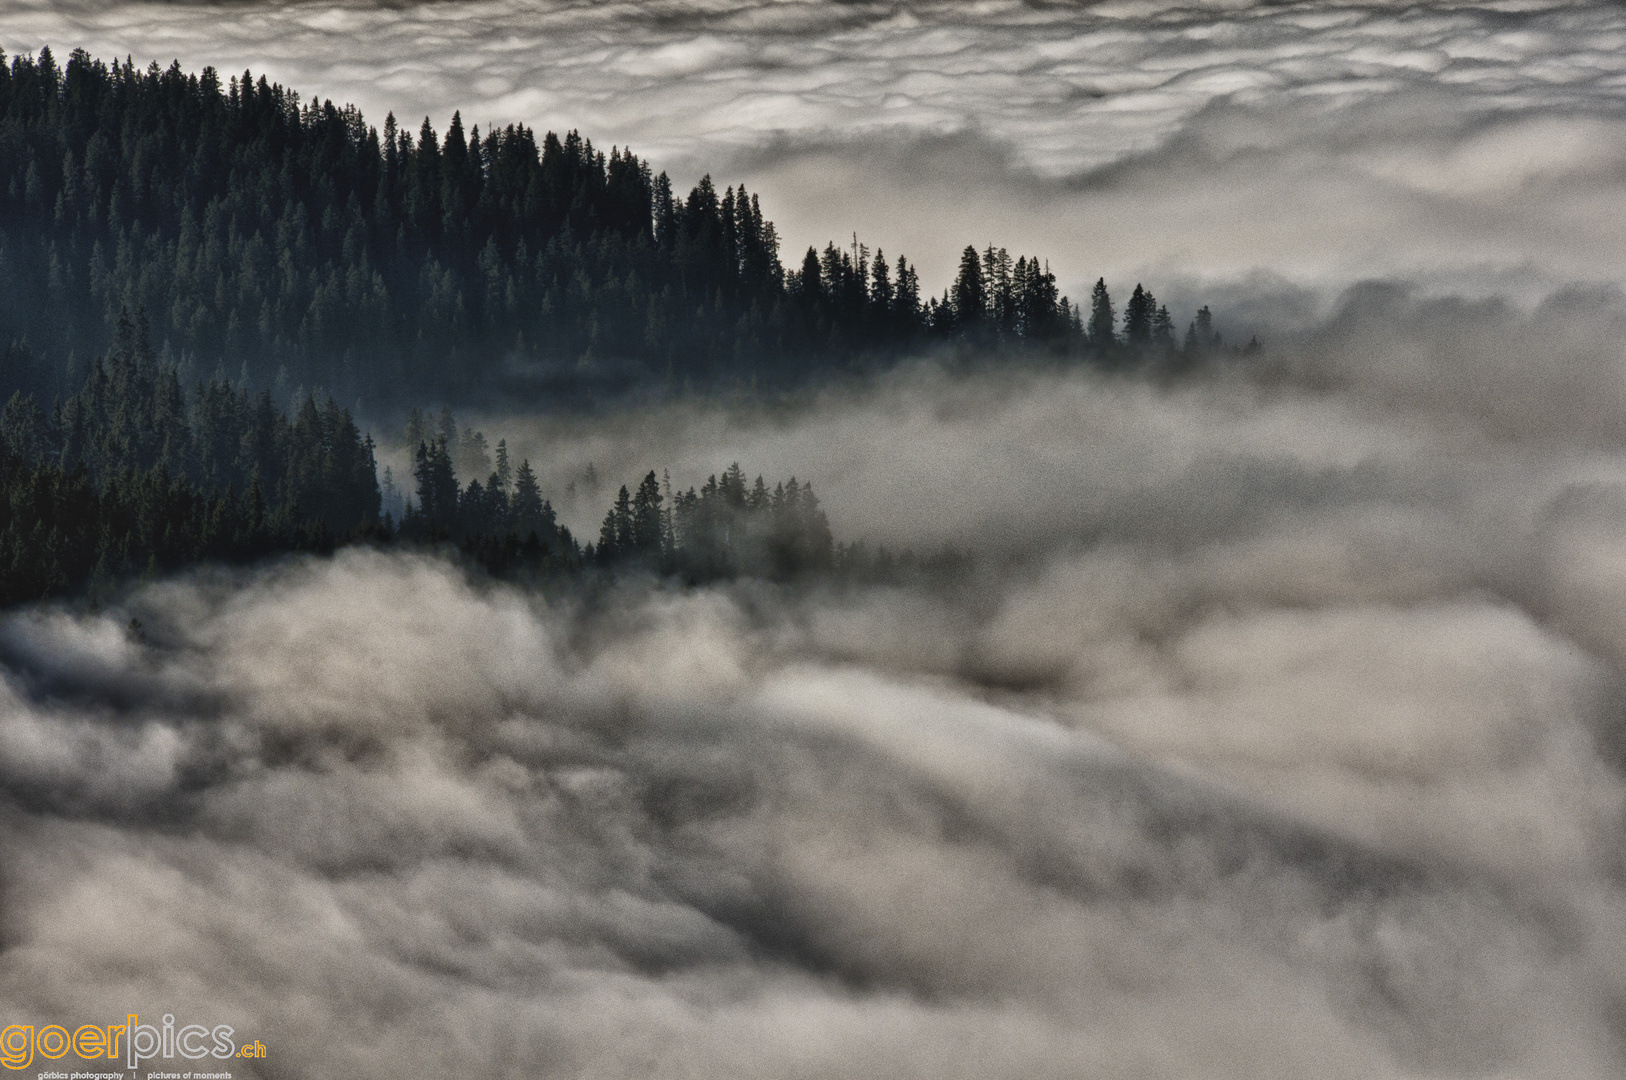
(1267,731)
(1270,726)
(1473,142)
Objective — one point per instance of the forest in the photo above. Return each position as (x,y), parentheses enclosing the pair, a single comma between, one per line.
(132,475)
(196,271)
(296,247)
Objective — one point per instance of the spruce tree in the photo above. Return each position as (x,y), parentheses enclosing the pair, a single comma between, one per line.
(970,299)
(646,518)
(526,507)
(1138,314)
(504,474)
(1206,336)
(1162,332)
(1102,334)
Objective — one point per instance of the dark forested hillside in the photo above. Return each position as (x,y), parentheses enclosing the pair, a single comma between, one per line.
(134,474)
(195,271)
(293,246)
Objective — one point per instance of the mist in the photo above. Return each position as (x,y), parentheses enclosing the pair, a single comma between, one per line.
(1264,722)
(1269,726)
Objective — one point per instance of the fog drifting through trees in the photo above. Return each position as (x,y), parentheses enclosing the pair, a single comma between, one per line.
(1267,721)
(1262,731)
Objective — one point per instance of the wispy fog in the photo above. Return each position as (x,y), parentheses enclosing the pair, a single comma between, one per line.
(1270,727)
(1382,392)
(1267,724)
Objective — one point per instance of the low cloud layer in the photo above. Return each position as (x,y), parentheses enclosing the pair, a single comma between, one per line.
(1471,144)
(1272,728)
(1384,392)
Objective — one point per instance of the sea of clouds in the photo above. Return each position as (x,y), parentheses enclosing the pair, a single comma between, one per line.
(1266,728)
(1271,725)
(1476,146)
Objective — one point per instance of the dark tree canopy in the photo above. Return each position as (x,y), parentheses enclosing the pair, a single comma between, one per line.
(196,270)
(132,474)
(291,245)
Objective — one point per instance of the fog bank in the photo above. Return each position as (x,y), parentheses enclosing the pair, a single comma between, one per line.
(1266,723)
(1269,729)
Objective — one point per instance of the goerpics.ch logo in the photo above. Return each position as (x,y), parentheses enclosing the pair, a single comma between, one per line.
(131,1040)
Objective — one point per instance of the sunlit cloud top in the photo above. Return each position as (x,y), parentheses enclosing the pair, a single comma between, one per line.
(1316,139)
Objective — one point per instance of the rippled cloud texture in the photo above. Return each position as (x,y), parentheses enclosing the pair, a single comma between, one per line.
(1273,724)
(1479,145)
(1268,730)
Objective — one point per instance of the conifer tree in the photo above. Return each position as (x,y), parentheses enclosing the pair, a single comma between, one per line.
(1138,314)
(1207,338)
(970,300)
(881,293)
(504,474)
(1162,337)
(437,483)
(615,537)
(1102,319)
(646,518)
(527,501)
(299,246)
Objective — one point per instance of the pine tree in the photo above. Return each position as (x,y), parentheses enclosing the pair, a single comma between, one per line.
(1102,319)
(646,518)
(437,484)
(970,299)
(1000,306)
(1207,338)
(505,475)
(1162,339)
(881,294)
(1138,314)
(526,507)
(615,537)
